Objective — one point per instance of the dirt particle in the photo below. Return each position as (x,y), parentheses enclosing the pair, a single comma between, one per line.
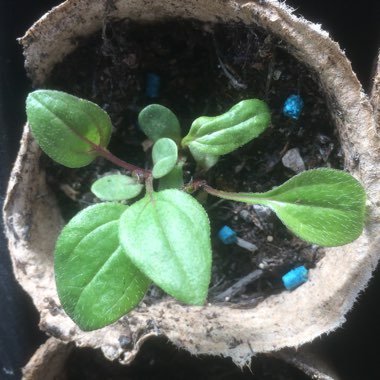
(125,342)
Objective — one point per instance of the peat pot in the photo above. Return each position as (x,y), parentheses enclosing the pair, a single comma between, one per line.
(287,319)
(56,360)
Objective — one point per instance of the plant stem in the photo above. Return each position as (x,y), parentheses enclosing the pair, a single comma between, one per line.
(195,185)
(149,185)
(117,161)
(250,198)
(210,190)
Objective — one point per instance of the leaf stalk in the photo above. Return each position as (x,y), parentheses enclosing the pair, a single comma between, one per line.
(117,161)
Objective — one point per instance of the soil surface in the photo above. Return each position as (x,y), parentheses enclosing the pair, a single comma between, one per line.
(204,69)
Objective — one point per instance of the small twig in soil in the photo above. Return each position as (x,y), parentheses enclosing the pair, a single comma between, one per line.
(239,286)
(234,82)
(270,75)
(221,280)
(246,245)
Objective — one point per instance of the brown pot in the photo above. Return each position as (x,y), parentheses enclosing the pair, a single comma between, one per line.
(289,319)
(54,360)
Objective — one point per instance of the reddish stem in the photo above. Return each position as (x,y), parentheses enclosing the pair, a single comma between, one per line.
(209,189)
(195,185)
(117,161)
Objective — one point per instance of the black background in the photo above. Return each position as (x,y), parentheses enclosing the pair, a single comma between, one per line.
(353,349)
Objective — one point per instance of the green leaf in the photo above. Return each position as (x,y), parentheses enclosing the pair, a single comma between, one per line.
(322,206)
(174,179)
(116,187)
(67,127)
(204,160)
(165,155)
(96,281)
(219,135)
(158,121)
(167,236)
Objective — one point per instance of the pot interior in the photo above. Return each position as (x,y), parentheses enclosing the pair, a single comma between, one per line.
(203,69)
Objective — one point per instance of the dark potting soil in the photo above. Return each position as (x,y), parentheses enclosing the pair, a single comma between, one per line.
(204,69)
(158,359)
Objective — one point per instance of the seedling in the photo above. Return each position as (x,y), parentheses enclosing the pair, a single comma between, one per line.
(108,254)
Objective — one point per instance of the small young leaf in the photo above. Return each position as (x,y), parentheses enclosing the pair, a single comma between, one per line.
(322,206)
(67,127)
(219,135)
(165,155)
(167,236)
(96,281)
(158,121)
(174,179)
(116,187)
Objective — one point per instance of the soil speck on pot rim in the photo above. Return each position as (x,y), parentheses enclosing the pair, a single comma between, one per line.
(204,69)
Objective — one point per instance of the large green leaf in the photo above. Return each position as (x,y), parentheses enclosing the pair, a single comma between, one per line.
(116,187)
(158,121)
(167,236)
(96,281)
(322,206)
(219,135)
(165,155)
(66,127)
